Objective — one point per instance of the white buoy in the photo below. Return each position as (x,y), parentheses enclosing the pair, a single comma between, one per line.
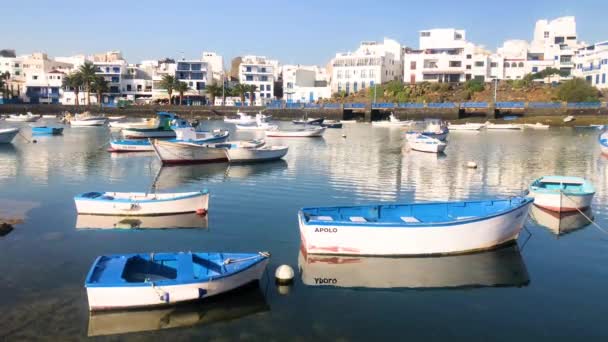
(472,165)
(284,274)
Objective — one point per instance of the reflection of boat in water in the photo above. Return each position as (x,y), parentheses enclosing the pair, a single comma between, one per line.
(497,268)
(231,306)
(173,176)
(141,222)
(561,223)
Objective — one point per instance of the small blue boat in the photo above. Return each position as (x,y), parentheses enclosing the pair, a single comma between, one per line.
(47,130)
(603,140)
(152,279)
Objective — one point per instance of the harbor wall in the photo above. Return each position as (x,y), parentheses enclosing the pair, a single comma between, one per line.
(363,112)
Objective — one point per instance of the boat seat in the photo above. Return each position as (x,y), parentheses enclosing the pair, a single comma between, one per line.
(357,219)
(409,219)
(321,218)
(185,269)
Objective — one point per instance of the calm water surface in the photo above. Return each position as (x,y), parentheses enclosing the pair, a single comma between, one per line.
(548,287)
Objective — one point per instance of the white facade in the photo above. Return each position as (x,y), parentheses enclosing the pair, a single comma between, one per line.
(444,55)
(372,63)
(592,64)
(305,83)
(262,73)
(216,65)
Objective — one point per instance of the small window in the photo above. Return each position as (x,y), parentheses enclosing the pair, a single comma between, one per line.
(493,65)
(546,34)
(521,64)
(425,34)
(455,64)
(479,63)
(457,36)
(534,69)
(507,65)
(413,65)
(468,67)
(469,56)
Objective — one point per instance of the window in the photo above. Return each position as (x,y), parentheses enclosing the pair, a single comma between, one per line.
(534,69)
(128,87)
(457,36)
(289,85)
(355,86)
(248,69)
(507,65)
(493,65)
(34,77)
(425,34)
(468,67)
(363,82)
(603,78)
(195,67)
(339,74)
(372,73)
(347,87)
(597,79)
(479,63)
(546,34)
(248,78)
(371,83)
(268,95)
(469,56)
(455,64)
(115,79)
(363,73)
(346,74)
(521,64)
(413,65)
(139,87)
(264,78)
(116,70)
(339,87)
(559,40)
(263,70)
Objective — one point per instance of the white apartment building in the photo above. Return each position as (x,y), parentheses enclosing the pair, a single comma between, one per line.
(261,72)
(42,78)
(444,55)
(305,84)
(216,65)
(592,64)
(372,63)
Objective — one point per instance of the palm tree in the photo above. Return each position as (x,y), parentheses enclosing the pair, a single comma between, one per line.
(100,86)
(251,88)
(87,73)
(213,90)
(3,83)
(181,88)
(73,82)
(240,90)
(168,83)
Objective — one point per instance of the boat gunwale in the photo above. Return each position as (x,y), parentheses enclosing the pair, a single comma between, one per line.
(586,186)
(79,197)
(526,201)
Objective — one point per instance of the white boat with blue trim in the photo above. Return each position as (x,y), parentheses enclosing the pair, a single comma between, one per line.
(142,204)
(603,140)
(163,129)
(423,143)
(251,151)
(29,117)
(311,132)
(433,228)
(8,134)
(158,279)
(436,128)
(141,145)
(562,193)
(392,121)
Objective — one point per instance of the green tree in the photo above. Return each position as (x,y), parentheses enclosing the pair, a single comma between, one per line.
(88,75)
(73,82)
(251,88)
(240,90)
(474,86)
(181,88)
(168,83)
(577,90)
(214,90)
(100,86)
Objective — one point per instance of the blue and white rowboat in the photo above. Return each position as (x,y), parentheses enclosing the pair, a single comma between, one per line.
(156,279)
(142,204)
(139,145)
(562,193)
(413,229)
(603,140)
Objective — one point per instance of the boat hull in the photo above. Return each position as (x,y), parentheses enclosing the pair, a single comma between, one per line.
(426,147)
(439,239)
(126,146)
(243,155)
(560,202)
(7,135)
(466,127)
(22,118)
(603,140)
(198,202)
(111,298)
(147,133)
(296,134)
(87,123)
(439,136)
(173,153)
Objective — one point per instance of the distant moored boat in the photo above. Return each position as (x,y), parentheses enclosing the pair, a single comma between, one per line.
(562,193)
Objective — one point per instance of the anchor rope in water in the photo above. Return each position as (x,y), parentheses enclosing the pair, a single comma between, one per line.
(584,215)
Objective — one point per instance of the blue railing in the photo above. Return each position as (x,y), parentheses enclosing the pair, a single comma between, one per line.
(474,105)
(331,106)
(354,105)
(441,105)
(510,105)
(312,105)
(544,105)
(584,105)
(410,105)
(293,105)
(383,105)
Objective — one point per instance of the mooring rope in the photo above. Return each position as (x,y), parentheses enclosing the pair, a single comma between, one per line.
(232,261)
(582,213)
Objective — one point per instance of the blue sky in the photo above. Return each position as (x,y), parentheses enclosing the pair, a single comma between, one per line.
(305,32)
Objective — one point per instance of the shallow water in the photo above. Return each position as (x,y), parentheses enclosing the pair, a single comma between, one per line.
(547,287)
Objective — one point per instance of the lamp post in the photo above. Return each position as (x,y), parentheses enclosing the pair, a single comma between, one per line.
(495,89)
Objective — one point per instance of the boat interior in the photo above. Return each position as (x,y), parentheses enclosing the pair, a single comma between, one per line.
(411,213)
(134,196)
(569,185)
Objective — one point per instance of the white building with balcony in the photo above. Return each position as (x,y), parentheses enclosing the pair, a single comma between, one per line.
(372,63)
(215,63)
(261,72)
(305,84)
(444,55)
(592,64)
